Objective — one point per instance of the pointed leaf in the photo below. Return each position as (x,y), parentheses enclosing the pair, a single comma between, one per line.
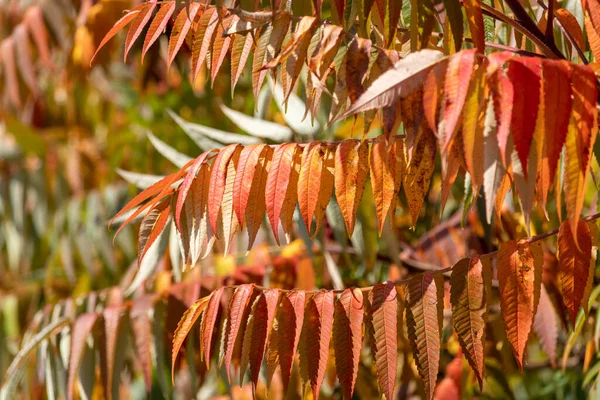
(82,327)
(424,309)
(351,169)
(208,325)
(158,25)
(181,27)
(347,338)
(184,326)
(138,25)
(468,298)
(520,278)
(383,309)
(236,310)
(574,256)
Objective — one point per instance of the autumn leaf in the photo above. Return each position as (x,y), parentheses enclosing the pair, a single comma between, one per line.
(525,74)
(382,179)
(138,24)
(309,181)
(235,313)
(82,327)
(351,169)
(574,256)
(347,338)
(468,299)
(357,65)
(120,24)
(383,309)
(181,27)
(456,87)
(424,309)
(291,316)
(184,326)
(218,179)
(263,321)
(281,187)
(158,25)
(318,323)
(520,278)
(207,326)
(151,227)
(418,172)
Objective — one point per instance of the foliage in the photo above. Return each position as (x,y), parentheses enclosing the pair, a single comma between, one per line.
(507,97)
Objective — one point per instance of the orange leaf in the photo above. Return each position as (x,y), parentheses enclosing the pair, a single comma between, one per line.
(309,181)
(217,182)
(138,25)
(383,309)
(240,50)
(229,222)
(112,318)
(244,177)
(120,24)
(37,27)
(281,186)
(207,326)
(351,169)
(158,25)
(520,277)
(382,179)
(152,225)
(187,182)
(468,298)
(220,47)
(476,27)
(203,39)
(181,27)
(347,338)
(184,326)
(255,211)
(318,323)
(424,309)
(418,172)
(574,256)
(456,87)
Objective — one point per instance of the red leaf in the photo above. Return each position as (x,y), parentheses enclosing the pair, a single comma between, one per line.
(142,331)
(347,338)
(318,323)
(557,105)
(525,74)
(263,321)
(237,308)
(292,318)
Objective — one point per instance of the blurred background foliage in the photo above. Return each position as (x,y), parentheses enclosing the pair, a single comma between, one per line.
(60,157)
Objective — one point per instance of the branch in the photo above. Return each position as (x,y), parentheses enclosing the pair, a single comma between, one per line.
(432,268)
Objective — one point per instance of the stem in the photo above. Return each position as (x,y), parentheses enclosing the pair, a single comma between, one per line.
(432,268)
